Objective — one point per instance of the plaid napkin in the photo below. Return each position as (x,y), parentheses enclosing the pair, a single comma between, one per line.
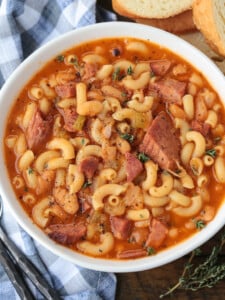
(25,25)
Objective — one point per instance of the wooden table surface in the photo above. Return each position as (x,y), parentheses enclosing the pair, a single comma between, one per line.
(151,284)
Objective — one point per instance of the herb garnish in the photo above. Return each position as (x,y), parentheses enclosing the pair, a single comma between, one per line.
(124,94)
(211,152)
(142,157)
(116,74)
(60,58)
(150,251)
(128,137)
(200,224)
(30,171)
(206,274)
(86,184)
(130,71)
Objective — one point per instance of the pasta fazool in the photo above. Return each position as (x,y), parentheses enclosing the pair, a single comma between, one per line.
(113,153)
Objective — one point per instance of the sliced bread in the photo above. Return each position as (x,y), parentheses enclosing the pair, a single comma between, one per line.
(177,24)
(209,17)
(157,9)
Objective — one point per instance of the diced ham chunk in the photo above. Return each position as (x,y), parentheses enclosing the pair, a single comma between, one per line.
(160,67)
(157,235)
(66,233)
(201,127)
(45,181)
(67,90)
(139,235)
(84,201)
(169,90)
(85,206)
(133,197)
(132,253)
(161,142)
(84,196)
(38,130)
(88,166)
(133,166)
(68,202)
(89,71)
(69,115)
(121,227)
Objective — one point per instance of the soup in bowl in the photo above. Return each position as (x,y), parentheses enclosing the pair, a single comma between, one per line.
(113,147)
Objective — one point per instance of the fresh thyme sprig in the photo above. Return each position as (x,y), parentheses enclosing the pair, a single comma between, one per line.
(206,274)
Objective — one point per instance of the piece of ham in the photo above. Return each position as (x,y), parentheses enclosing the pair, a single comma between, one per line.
(169,90)
(157,235)
(38,130)
(134,253)
(68,202)
(133,166)
(45,181)
(139,235)
(69,116)
(201,127)
(66,233)
(66,90)
(85,206)
(121,227)
(89,71)
(161,143)
(160,67)
(88,166)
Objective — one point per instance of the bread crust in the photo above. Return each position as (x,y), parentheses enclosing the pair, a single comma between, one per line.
(204,15)
(181,23)
(121,9)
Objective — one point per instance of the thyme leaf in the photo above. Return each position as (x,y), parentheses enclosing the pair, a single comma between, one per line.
(124,95)
(205,274)
(200,224)
(150,251)
(211,152)
(130,70)
(60,58)
(142,157)
(128,137)
(86,184)
(30,170)
(116,74)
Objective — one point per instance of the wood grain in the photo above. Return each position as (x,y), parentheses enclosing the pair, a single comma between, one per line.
(150,284)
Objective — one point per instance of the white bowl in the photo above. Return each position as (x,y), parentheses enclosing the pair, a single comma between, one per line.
(32,64)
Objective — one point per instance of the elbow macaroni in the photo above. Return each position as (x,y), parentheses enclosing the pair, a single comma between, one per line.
(64,145)
(106,190)
(165,188)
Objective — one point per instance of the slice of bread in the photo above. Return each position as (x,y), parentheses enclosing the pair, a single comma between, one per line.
(177,24)
(209,17)
(156,9)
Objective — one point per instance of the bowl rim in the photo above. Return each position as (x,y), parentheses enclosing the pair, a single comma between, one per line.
(34,63)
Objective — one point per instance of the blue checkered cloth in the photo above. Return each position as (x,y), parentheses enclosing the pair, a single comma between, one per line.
(25,25)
